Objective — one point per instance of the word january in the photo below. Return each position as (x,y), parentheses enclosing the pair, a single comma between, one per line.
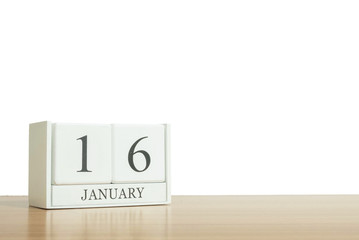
(112,193)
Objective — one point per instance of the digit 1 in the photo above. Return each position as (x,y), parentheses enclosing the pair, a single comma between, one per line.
(84,154)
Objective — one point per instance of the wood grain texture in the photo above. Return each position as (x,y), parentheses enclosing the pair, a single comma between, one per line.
(190,217)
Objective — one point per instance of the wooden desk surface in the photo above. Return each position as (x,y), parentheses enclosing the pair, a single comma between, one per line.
(190,217)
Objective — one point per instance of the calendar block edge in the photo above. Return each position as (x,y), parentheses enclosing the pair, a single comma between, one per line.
(168,160)
(39,186)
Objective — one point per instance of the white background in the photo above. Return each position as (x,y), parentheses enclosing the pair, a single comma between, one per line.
(263,96)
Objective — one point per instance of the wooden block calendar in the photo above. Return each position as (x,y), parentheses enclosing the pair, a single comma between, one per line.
(98,165)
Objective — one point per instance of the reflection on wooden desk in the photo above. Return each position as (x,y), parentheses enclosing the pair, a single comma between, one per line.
(190,217)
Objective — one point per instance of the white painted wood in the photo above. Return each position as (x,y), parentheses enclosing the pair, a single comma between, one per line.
(153,142)
(44,139)
(67,153)
(106,194)
(40,164)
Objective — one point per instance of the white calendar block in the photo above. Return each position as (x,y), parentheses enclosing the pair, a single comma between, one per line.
(98,165)
(81,154)
(138,153)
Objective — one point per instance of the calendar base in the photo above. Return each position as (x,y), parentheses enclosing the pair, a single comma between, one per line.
(108,194)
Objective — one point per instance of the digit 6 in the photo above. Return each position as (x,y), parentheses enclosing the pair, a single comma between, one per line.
(145,154)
